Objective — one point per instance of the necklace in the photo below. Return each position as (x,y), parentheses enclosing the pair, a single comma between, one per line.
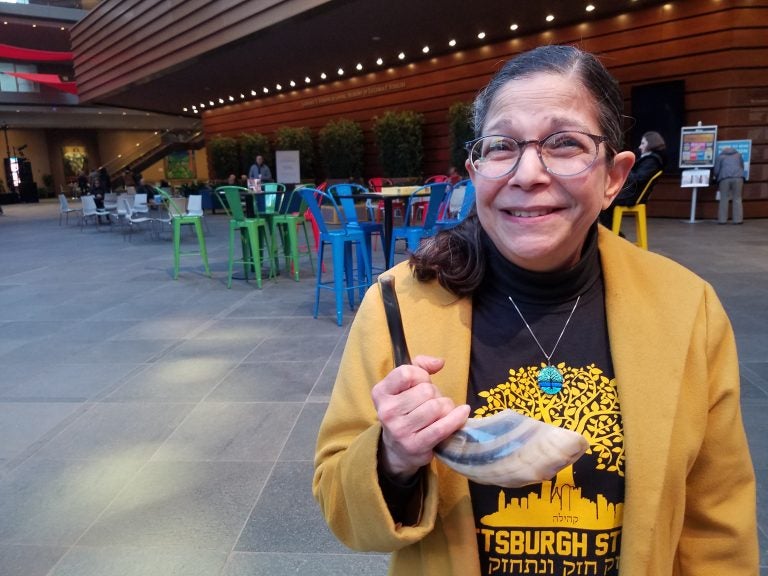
(550,379)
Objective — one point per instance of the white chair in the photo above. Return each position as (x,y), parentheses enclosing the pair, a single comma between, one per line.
(195,208)
(65,210)
(90,210)
(140,203)
(110,201)
(135,220)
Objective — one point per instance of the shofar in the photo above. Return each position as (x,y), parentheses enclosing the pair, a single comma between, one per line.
(510,450)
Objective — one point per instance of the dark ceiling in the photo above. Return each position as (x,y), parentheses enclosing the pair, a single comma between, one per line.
(342,33)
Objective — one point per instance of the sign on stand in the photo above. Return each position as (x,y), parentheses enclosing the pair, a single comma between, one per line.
(287,166)
(697,155)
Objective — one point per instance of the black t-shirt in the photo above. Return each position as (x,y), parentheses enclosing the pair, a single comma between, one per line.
(570,524)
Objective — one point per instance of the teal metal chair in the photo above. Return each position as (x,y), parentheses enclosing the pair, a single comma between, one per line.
(284,225)
(341,240)
(178,219)
(437,194)
(345,195)
(252,231)
(467,203)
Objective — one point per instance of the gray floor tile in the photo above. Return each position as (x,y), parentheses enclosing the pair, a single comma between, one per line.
(201,505)
(17,560)
(269,382)
(22,424)
(240,432)
(303,437)
(266,564)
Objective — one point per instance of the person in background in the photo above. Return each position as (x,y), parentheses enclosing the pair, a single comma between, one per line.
(260,170)
(82,182)
(534,307)
(653,157)
(728,172)
(453,175)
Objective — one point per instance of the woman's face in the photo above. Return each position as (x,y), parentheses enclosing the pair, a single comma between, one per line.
(643,146)
(536,220)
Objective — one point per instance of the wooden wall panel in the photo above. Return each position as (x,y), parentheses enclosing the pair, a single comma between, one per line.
(717,47)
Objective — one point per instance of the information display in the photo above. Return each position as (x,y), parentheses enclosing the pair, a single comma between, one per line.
(697,146)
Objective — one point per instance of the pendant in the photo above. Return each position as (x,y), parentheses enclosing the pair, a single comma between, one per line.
(550,380)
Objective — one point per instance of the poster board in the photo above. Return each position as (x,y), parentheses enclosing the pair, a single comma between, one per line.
(697,146)
(287,166)
(743,146)
(695,178)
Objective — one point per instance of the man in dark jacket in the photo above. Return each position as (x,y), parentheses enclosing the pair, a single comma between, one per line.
(729,175)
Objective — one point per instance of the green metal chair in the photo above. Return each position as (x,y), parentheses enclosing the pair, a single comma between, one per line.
(285,224)
(178,219)
(252,230)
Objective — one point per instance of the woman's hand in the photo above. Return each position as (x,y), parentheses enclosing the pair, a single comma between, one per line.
(414,416)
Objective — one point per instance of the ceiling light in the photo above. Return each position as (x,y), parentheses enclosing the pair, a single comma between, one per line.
(292,83)
(184,109)
(359,66)
(323,76)
(62,28)
(210,103)
(265,90)
(307,79)
(221,100)
(278,87)
(242,96)
(549,17)
(425,49)
(231,99)
(452,43)
(138,144)
(401,56)
(194,111)
(340,71)
(513,27)
(34,25)
(590,7)
(253,92)
(202,105)
(379,61)
(481,35)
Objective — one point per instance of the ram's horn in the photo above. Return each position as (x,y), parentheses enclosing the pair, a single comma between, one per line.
(510,450)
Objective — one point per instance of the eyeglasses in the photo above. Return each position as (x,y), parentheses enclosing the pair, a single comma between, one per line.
(567,153)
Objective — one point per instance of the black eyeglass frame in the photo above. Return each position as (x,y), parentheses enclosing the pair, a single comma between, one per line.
(469,145)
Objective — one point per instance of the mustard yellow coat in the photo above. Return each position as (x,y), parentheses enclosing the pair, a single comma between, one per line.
(690,487)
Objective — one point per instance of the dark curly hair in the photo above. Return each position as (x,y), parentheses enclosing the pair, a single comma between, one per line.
(455,257)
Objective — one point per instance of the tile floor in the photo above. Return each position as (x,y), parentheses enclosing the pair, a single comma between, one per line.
(153,427)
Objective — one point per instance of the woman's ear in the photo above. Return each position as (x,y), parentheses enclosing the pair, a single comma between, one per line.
(617,175)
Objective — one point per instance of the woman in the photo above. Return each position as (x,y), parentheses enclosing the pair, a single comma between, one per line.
(653,157)
(528,286)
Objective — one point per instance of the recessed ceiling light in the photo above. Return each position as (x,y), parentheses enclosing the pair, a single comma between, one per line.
(62,28)
(184,109)
(292,83)
(513,27)
(452,43)
(278,87)
(34,25)
(138,144)
(590,7)
(210,103)
(221,100)
(549,17)
(340,71)
(253,92)
(202,105)
(401,56)
(379,61)
(307,79)
(242,96)
(265,90)
(231,99)
(481,35)
(425,49)
(359,66)
(323,76)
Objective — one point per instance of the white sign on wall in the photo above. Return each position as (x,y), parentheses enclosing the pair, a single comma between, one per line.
(287,166)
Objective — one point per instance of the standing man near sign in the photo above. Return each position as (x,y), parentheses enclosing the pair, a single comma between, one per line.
(260,170)
(729,175)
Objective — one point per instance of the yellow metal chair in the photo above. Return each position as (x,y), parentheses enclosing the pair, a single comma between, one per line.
(638,210)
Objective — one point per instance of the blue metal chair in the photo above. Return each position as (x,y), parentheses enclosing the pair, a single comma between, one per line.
(341,241)
(344,193)
(436,193)
(467,203)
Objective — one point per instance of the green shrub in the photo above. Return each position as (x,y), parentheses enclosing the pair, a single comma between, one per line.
(399,140)
(224,157)
(341,148)
(460,131)
(250,145)
(298,138)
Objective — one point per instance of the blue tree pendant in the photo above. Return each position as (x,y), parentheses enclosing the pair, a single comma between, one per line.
(550,380)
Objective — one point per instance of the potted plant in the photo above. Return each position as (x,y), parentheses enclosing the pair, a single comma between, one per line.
(340,143)
(223,154)
(399,139)
(298,138)
(250,145)
(460,131)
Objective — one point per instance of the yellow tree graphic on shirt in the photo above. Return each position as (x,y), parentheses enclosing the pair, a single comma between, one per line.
(588,404)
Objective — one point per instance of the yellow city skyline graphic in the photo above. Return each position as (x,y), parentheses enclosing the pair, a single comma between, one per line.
(555,507)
